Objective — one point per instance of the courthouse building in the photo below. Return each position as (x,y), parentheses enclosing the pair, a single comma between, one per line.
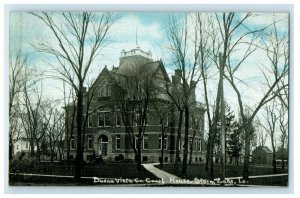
(105,132)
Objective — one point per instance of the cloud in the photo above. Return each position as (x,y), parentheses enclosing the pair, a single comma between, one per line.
(25,29)
(264,19)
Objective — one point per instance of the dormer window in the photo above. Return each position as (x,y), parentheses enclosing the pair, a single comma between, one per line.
(104,91)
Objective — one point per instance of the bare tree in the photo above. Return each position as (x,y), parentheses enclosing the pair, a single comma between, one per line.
(229,25)
(283,128)
(261,134)
(55,129)
(174,91)
(271,118)
(80,37)
(185,48)
(17,66)
(162,112)
(31,117)
(135,88)
(195,125)
(277,52)
(70,110)
(206,28)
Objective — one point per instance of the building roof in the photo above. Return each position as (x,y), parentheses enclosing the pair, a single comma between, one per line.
(264,148)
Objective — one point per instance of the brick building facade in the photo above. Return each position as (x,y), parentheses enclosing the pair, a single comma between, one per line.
(105,131)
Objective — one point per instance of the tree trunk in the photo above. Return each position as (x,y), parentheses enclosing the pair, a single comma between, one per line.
(209,155)
(38,151)
(51,150)
(31,148)
(273,156)
(191,149)
(247,153)
(79,156)
(68,151)
(274,163)
(139,156)
(178,139)
(186,141)
(282,156)
(11,148)
(162,144)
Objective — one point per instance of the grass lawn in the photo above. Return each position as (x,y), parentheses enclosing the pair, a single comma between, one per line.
(198,170)
(107,170)
(270,181)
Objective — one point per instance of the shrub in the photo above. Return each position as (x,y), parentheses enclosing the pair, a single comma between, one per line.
(121,157)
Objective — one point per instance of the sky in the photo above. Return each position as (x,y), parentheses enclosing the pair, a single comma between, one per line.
(149,31)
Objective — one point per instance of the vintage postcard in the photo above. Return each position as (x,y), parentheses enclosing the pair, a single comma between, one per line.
(148,99)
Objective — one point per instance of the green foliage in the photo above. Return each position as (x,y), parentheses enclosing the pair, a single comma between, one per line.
(233,131)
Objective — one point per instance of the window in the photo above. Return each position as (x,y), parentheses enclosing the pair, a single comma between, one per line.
(138,119)
(101,91)
(17,147)
(190,143)
(199,145)
(72,142)
(136,141)
(89,121)
(90,142)
(118,118)
(196,144)
(197,123)
(26,145)
(101,119)
(103,145)
(165,143)
(89,118)
(104,91)
(179,144)
(118,142)
(106,119)
(108,90)
(145,142)
(167,120)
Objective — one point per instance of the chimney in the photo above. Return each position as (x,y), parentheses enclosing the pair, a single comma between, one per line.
(193,90)
(176,79)
(178,72)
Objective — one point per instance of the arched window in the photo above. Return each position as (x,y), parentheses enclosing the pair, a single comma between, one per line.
(103,145)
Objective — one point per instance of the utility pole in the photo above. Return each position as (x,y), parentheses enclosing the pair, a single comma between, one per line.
(222,118)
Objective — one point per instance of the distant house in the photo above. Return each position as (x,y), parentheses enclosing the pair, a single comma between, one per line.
(262,155)
(22,145)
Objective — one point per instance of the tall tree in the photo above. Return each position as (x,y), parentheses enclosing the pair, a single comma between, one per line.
(230,127)
(55,129)
(185,48)
(271,118)
(70,115)
(135,88)
(79,37)
(162,113)
(32,116)
(283,128)
(17,64)
(234,32)
(174,92)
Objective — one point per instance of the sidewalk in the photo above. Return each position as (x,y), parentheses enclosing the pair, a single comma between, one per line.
(166,177)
